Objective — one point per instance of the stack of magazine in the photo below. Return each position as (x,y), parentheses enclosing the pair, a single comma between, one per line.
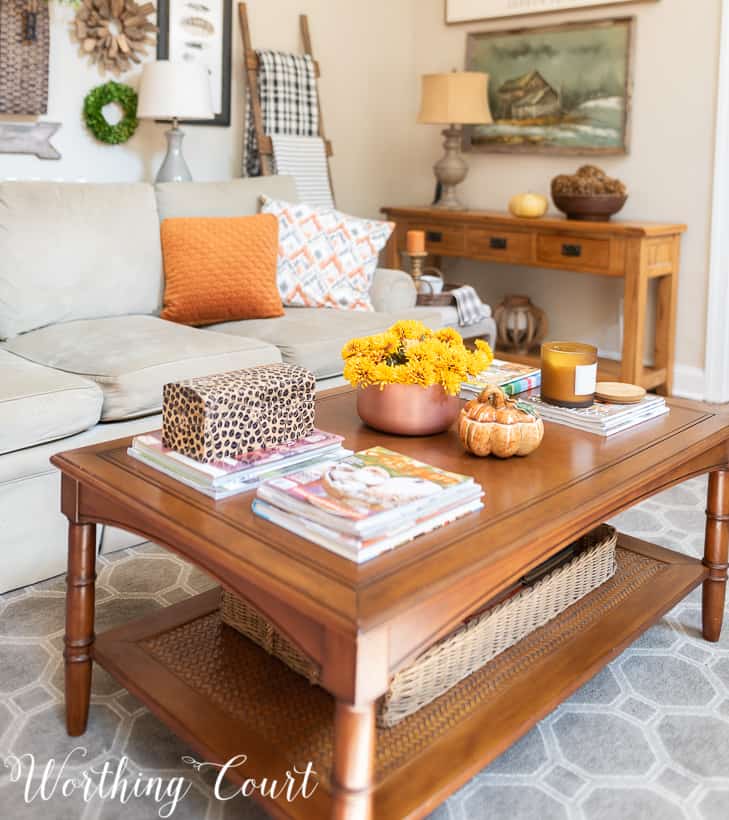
(221,479)
(367,503)
(602,419)
(511,377)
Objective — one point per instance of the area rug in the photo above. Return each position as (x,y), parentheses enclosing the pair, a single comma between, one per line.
(647,739)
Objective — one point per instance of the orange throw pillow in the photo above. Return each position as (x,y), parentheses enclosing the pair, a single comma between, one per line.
(220,269)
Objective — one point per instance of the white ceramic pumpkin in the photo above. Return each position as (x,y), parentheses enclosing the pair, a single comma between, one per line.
(528,206)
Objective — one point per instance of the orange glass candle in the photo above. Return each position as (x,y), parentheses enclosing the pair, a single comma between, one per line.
(416,242)
(569,374)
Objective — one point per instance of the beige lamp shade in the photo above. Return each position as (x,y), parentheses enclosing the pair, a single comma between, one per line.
(175,90)
(458,98)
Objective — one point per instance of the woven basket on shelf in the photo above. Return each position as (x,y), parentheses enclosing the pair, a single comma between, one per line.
(469,647)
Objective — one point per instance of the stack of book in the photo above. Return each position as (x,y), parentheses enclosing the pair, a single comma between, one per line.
(221,479)
(602,419)
(366,503)
(512,378)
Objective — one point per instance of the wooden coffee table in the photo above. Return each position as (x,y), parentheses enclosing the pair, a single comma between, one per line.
(224,696)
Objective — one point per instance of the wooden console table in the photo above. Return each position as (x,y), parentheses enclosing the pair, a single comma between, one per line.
(636,252)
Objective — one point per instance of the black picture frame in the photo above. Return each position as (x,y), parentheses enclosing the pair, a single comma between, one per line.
(163,23)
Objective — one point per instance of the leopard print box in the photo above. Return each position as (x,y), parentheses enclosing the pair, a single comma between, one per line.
(216,417)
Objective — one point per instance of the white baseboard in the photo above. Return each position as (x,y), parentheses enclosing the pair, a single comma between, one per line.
(688,382)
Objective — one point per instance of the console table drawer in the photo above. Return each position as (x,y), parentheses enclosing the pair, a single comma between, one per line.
(441,240)
(574,252)
(501,246)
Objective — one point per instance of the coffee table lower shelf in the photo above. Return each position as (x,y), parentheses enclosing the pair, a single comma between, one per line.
(226,697)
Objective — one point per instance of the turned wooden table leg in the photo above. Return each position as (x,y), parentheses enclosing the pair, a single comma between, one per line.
(716,552)
(80,594)
(354,752)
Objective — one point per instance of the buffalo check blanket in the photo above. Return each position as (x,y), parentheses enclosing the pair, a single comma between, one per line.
(470,308)
(287,90)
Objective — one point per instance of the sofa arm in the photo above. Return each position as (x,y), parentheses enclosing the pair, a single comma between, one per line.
(392,291)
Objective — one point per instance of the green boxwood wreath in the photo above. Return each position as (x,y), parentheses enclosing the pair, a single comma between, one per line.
(94,117)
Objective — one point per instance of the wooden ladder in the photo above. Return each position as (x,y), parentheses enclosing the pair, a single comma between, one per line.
(265,145)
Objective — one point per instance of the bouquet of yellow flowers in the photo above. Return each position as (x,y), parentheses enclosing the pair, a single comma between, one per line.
(411,353)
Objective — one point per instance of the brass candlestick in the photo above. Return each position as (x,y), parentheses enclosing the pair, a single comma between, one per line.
(416,267)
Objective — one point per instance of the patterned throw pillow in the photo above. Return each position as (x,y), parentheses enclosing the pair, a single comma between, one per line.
(326,258)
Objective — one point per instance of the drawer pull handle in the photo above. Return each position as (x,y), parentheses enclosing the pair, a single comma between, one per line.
(571,250)
(434,236)
(498,243)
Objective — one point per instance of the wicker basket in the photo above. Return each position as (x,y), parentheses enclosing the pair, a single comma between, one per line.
(442,299)
(469,647)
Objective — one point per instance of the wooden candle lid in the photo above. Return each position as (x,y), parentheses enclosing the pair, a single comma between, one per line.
(619,393)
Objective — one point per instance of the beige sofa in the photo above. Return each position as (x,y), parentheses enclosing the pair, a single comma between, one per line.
(84,354)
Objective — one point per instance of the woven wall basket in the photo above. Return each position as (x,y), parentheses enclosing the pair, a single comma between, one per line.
(469,647)
(23,65)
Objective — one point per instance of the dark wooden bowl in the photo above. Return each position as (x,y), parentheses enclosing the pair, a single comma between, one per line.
(595,208)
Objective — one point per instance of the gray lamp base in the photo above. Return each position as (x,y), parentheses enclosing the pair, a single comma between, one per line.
(451,170)
(174,168)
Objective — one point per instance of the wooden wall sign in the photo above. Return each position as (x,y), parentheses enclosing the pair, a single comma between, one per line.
(29,139)
(24,44)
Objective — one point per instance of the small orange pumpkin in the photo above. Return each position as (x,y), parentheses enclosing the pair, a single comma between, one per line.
(494,424)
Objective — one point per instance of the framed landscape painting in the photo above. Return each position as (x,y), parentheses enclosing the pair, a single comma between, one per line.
(464,11)
(560,89)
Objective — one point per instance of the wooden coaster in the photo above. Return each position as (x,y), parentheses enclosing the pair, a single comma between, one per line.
(619,393)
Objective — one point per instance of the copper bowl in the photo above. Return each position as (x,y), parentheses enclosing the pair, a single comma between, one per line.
(407,409)
(593,208)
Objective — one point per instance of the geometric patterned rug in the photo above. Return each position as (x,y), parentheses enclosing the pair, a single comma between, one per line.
(647,739)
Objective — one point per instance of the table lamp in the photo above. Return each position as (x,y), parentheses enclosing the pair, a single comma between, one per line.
(455,99)
(174,91)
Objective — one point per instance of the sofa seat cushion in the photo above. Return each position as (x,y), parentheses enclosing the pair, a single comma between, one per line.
(314,337)
(38,404)
(132,357)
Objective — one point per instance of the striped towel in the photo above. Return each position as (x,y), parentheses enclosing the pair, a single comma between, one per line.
(287,90)
(305,159)
(471,310)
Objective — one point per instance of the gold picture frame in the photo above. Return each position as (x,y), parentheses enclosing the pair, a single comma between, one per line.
(562,89)
(459,12)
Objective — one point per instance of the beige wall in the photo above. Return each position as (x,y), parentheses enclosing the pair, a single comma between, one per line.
(669,169)
(365,50)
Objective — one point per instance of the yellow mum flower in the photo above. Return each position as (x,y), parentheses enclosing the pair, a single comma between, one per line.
(449,336)
(411,329)
(411,353)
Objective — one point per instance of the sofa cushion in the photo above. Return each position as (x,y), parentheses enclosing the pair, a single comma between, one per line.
(220,269)
(326,258)
(314,337)
(237,197)
(38,404)
(132,357)
(76,251)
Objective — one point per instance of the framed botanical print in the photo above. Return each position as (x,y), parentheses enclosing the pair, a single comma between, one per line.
(199,31)
(562,89)
(465,11)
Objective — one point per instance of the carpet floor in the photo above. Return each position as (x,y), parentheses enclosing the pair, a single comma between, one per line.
(647,739)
